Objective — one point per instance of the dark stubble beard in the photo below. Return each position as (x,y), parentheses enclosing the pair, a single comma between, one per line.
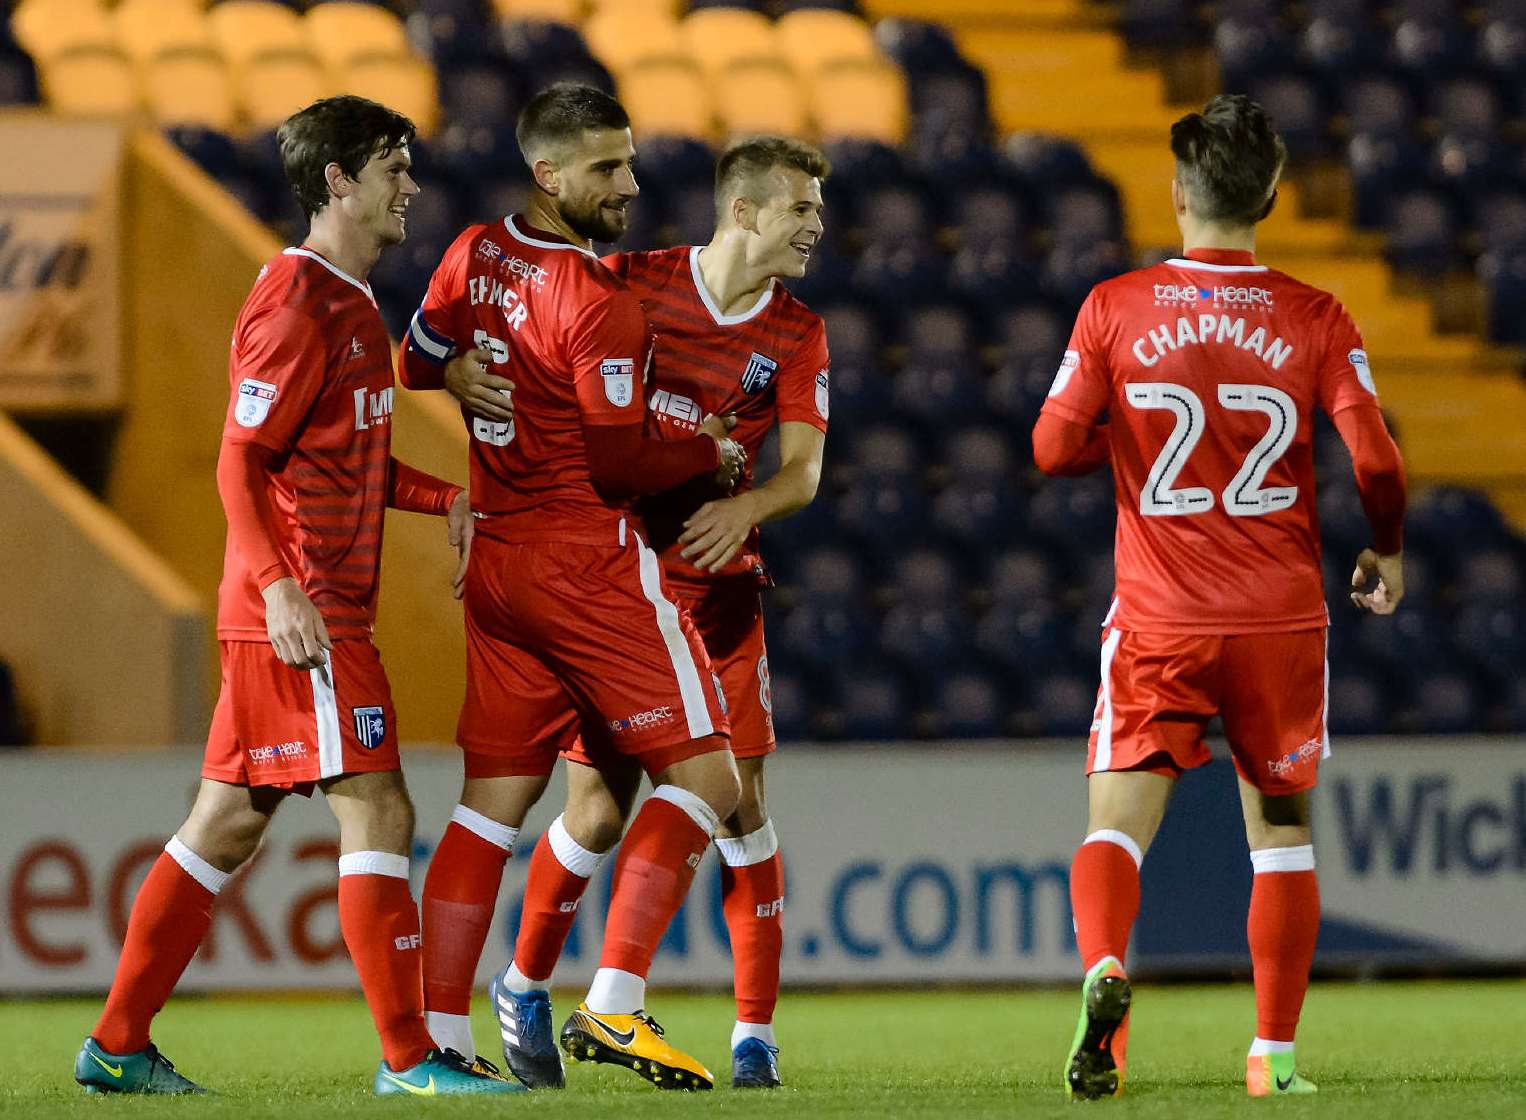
(592,221)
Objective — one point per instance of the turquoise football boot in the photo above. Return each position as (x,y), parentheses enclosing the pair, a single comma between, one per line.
(441,1073)
(146,1071)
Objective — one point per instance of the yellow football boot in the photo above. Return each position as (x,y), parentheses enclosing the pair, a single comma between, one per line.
(635,1041)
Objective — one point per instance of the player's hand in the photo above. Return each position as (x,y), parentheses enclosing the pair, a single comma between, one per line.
(459,527)
(717,531)
(1384,598)
(295,627)
(733,454)
(484,394)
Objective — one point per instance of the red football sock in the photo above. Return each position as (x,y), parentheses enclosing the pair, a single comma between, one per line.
(1104,897)
(170,917)
(652,875)
(380,924)
(552,893)
(460,895)
(1282,928)
(752,898)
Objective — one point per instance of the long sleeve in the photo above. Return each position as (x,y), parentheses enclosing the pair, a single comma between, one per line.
(413,491)
(242,483)
(1380,479)
(1063,448)
(623,461)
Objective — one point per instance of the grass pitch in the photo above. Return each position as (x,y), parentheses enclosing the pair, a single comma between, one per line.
(1383,1050)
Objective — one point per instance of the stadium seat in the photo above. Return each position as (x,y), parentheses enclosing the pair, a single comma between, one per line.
(991,275)
(449,31)
(213,151)
(1021,577)
(47,28)
(1074,515)
(90,81)
(667,97)
(405,83)
(1157,24)
(689,214)
(759,95)
(1377,105)
(859,99)
(917,45)
(1446,704)
(145,28)
(1380,167)
(557,11)
(978,514)
(1466,107)
(719,39)
(1296,105)
(620,37)
(674,161)
(812,37)
(883,512)
(271,87)
(970,705)
(479,92)
(1043,163)
(18,78)
(1357,704)
(245,29)
(1062,704)
(189,87)
(1248,49)
(342,32)
(873,704)
(534,43)
(792,704)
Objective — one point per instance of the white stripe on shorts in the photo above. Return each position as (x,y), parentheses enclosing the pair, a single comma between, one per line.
(1324,711)
(326,714)
(690,690)
(1104,759)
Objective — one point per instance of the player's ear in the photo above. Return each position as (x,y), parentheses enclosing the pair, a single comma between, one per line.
(548,177)
(340,185)
(1178,197)
(744,212)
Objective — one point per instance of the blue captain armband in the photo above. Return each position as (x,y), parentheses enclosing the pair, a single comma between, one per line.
(429,343)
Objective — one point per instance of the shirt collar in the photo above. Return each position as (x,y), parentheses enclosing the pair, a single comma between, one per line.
(1221,256)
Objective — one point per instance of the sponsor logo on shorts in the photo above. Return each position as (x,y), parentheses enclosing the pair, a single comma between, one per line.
(1288,762)
(294,749)
(652,717)
(370,726)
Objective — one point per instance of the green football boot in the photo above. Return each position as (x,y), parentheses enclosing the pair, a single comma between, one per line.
(441,1073)
(146,1071)
(1273,1075)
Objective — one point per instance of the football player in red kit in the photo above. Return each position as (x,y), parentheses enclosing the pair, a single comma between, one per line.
(730,341)
(1208,369)
(305,474)
(569,620)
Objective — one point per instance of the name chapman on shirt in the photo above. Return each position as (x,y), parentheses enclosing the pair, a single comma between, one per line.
(1198,330)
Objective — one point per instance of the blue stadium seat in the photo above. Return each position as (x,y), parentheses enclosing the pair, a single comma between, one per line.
(885,451)
(977,514)
(1021,577)
(1504,278)
(1032,638)
(955,150)
(883,512)
(1492,576)
(859,165)
(818,636)
(938,332)
(1500,220)
(18,78)
(936,392)
(991,275)
(1380,167)
(480,94)
(1422,233)
(214,152)
(1339,40)
(1492,635)
(1446,704)
(1357,703)
(900,274)
(477,152)
(689,214)
(454,31)
(922,636)
(950,98)
(861,396)
(1074,514)
(1377,105)
(1444,515)
(1297,105)
(1466,107)
(970,705)
(1411,643)
(1085,214)
(673,161)
(1063,703)
(1072,270)
(530,44)
(1044,163)
(1251,46)
(793,703)
(990,214)
(874,701)
(917,46)
(980,454)
(1158,24)
(1432,45)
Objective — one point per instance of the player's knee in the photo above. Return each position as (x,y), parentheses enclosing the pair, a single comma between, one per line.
(595,824)
(722,793)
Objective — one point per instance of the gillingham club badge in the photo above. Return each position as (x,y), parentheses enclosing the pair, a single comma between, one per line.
(370,726)
(759,373)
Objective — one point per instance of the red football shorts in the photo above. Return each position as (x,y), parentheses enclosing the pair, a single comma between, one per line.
(562,635)
(277,726)
(1160,690)
(729,616)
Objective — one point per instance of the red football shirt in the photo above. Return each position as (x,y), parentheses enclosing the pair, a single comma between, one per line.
(575,343)
(1209,368)
(766,364)
(311,378)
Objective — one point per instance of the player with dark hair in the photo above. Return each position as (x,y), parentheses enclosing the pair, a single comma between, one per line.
(305,474)
(1208,368)
(568,619)
(730,341)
